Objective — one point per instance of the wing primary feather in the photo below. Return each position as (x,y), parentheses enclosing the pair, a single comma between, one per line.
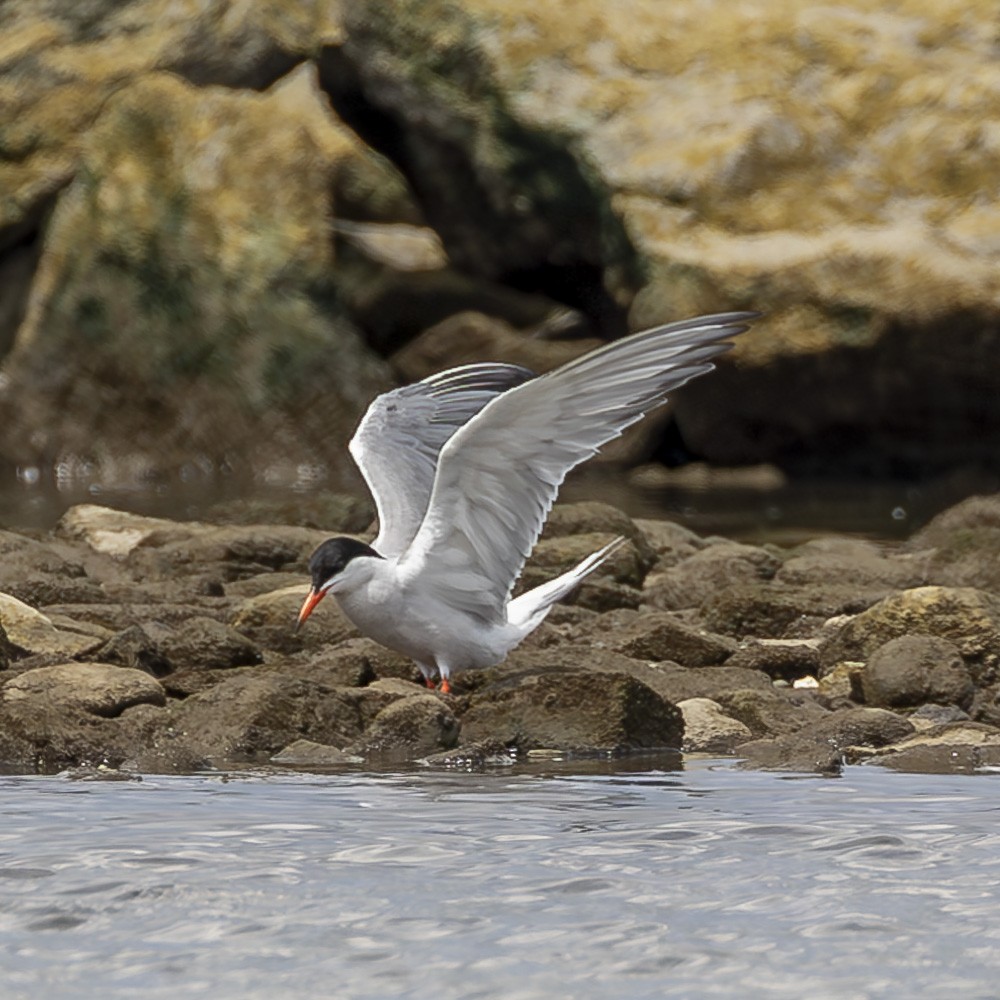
(498,475)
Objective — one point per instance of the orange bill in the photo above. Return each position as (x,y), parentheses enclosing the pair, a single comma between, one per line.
(313,598)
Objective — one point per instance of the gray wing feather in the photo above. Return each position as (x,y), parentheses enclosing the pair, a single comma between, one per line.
(397,443)
(498,476)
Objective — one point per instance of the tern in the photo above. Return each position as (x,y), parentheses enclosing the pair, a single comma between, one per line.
(464,467)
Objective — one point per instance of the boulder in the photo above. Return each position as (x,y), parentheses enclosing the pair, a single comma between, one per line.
(823,747)
(947,748)
(772,711)
(852,562)
(30,632)
(269,621)
(203,644)
(411,727)
(570,712)
(133,647)
(967,617)
(661,636)
(961,546)
(694,580)
(100,689)
(780,659)
(308,754)
(915,669)
(707,729)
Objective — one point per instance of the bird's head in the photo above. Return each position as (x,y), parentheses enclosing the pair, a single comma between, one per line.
(338,564)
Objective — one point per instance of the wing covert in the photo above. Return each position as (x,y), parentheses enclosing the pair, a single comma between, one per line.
(397,443)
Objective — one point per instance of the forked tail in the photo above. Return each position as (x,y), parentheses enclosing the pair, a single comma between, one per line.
(529,610)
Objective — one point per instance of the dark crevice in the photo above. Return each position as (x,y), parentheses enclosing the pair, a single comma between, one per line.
(526,214)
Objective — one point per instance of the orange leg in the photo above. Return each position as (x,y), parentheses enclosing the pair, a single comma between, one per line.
(429,681)
(445,686)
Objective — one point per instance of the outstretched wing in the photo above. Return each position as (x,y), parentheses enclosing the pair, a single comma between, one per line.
(498,476)
(397,443)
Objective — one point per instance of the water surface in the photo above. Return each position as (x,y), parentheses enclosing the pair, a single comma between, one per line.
(706,882)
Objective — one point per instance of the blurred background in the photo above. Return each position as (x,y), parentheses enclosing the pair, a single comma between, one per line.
(226,225)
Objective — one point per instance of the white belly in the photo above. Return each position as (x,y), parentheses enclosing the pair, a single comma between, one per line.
(430,633)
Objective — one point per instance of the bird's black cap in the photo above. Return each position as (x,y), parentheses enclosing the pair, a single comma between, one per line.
(333,555)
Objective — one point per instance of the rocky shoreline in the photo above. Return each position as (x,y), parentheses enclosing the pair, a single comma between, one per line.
(135,644)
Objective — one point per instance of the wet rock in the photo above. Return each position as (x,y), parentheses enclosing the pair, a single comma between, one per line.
(936,715)
(915,669)
(661,636)
(851,562)
(203,644)
(96,688)
(246,716)
(823,746)
(707,729)
(411,727)
(966,617)
(943,749)
(306,753)
(772,711)
(784,659)
(473,756)
(31,632)
(571,712)
(772,611)
(132,647)
(691,582)
(269,621)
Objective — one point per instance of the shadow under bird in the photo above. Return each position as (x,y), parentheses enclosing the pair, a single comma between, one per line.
(464,467)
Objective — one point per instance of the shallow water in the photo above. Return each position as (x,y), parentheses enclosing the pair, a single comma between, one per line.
(706,882)
(872,508)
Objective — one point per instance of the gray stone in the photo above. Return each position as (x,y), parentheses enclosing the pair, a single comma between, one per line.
(707,729)
(661,636)
(915,669)
(96,688)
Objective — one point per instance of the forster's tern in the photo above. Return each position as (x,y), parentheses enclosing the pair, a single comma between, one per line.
(464,468)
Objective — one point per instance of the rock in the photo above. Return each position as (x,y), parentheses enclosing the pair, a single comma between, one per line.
(708,730)
(553,556)
(915,669)
(691,582)
(228,553)
(6,652)
(245,716)
(117,533)
(672,543)
(269,621)
(473,756)
(843,682)
(203,644)
(347,665)
(822,747)
(784,659)
(31,632)
(771,711)
(779,612)
(851,562)
(590,517)
(132,647)
(962,545)
(571,712)
(935,715)
(411,727)
(132,350)
(306,753)
(943,749)
(968,618)
(96,688)
(332,513)
(661,636)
